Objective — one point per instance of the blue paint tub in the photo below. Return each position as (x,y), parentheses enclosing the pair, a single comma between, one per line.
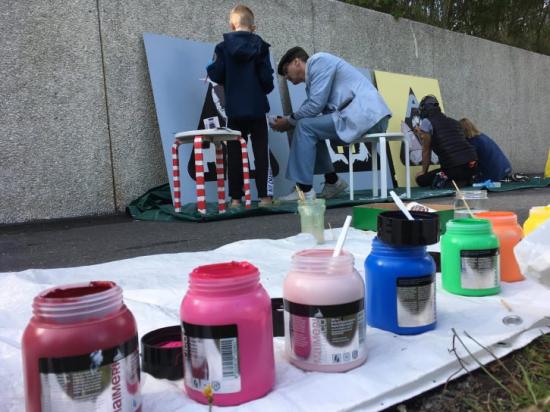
(400,274)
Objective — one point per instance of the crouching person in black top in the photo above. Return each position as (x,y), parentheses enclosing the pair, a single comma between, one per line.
(445,136)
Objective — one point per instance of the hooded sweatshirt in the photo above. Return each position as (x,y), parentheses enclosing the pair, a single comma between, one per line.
(241,64)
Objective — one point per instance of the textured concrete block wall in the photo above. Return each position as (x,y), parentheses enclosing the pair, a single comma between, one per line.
(79,132)
(54,143)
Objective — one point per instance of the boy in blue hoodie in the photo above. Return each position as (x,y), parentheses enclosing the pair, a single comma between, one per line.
(241,64)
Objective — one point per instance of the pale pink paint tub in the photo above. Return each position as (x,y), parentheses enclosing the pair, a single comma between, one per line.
(324,299)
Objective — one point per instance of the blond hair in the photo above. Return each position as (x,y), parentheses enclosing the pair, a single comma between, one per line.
(242,16)
(470,129)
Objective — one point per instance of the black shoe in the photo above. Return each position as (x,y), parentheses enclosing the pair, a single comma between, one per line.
(518,177)
(440,181)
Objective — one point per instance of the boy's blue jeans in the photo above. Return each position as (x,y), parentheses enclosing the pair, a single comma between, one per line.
(308,151)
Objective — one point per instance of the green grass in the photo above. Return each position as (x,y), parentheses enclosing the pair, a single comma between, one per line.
(518,382)
(526,377)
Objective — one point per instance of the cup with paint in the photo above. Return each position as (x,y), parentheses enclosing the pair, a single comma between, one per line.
(227,334)
(470,258)
(81,347)
(324,312)
(400,273)
(537,216)
(312,217)
(509,233)
(469,202)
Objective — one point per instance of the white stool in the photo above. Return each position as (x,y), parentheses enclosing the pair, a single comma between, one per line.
(217,137)
(375,139)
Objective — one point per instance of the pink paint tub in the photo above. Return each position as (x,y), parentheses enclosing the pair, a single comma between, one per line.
(227,334)
(324,300)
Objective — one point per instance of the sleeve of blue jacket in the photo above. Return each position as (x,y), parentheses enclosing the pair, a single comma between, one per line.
(321,78)
(265,72)
(216,69)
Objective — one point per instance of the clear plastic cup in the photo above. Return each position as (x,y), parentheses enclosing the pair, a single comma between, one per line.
(477,202)
(312,218)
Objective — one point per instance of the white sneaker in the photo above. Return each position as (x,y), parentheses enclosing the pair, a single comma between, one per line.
(293,196)
(332,190)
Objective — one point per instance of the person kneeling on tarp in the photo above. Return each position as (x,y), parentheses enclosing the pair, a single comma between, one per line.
(493,163)
(444,135)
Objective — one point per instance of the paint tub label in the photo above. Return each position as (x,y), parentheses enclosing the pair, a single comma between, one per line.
(325,335)
(479,269)
(415,301)
(211,357)
(104,380)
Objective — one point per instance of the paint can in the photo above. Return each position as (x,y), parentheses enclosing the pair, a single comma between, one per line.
(81,348)
(324,312)
(470,258)
(537,216)
(400,274)
(509,233)
(227,334)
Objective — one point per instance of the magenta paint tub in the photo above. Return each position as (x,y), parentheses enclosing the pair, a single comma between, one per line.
(324,302)
(80,351)
(227,334)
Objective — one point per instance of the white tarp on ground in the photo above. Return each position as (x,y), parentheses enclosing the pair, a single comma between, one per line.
(397,368)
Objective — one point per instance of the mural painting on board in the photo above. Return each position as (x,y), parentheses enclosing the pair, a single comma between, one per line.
(185,101)
(403,93)
(212,116)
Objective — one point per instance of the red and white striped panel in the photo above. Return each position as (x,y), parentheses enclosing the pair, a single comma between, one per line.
(176,177)
(199,175)
(246,174)
(220,178)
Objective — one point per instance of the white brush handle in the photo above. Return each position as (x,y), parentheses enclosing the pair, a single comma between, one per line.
(400,205)
(342,237)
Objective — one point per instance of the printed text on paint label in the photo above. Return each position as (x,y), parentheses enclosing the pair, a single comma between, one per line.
(479,269)
(211,357)
(325,335)
(415,301)
(105,380)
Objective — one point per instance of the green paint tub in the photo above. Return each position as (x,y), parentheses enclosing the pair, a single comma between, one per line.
(470,258)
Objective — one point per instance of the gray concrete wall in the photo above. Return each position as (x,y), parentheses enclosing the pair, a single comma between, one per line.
(79,133)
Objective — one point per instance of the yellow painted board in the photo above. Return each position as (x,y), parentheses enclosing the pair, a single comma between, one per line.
(396,90)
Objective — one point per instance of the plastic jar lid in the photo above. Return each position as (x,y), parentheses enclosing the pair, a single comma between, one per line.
(395,229)
(162,353)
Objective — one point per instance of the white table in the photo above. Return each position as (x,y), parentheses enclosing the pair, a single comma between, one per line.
(377,139)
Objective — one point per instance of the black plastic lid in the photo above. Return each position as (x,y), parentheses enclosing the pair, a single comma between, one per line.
(395,229)
(163,362)
(277,316)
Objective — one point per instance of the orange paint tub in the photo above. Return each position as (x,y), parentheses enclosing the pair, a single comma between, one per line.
(509,233)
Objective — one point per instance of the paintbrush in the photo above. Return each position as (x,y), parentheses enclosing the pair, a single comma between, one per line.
(464,200)
(300,194)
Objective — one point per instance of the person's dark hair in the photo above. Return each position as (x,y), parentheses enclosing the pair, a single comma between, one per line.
(429,105)
(291,54)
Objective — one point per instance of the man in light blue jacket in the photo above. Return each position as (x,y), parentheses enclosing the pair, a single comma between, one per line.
(341,105)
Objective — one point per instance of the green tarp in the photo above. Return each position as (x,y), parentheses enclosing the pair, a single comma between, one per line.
(156,204)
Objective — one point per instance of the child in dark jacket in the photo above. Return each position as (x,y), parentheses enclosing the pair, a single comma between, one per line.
(241,64)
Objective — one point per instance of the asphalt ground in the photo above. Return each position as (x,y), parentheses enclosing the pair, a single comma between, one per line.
(99,239)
